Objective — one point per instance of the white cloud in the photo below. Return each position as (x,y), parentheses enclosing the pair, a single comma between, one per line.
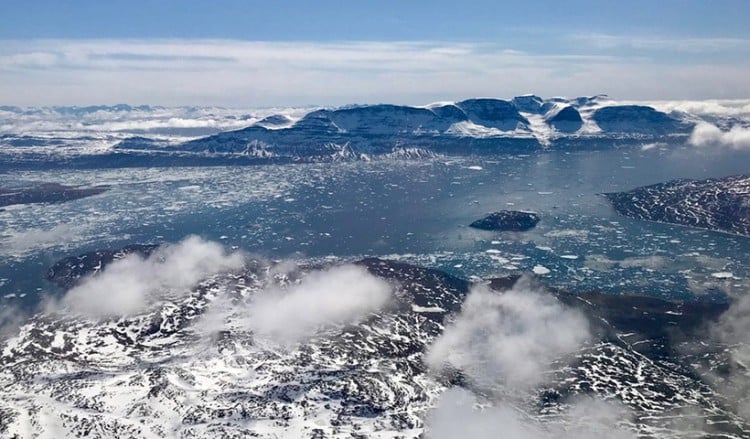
(508,338)
(132,284)
(253,73)
(457,416)
(646,43)
(460,415)
(705,135)
(705,107)
(339,295)
(113,124)
(322,299)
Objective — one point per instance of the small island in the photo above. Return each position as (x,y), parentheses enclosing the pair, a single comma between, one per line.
(507,221)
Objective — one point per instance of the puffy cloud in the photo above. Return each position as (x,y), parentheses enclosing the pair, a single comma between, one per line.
(133,283)
(508,338)
(321,299)
(338,295)
(706,135)
(459,414)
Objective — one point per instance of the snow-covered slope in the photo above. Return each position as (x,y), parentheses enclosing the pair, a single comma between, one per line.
(474,125)
(199,364)
(721,204)
(151,135)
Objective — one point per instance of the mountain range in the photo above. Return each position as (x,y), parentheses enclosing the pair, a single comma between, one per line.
(482,125)
(358,132)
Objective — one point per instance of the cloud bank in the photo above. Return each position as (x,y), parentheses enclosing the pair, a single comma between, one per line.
(132,284)
(707,135)
(508,338)
(257,73)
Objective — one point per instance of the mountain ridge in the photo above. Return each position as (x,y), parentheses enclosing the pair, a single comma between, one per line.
(477,125)
(474,126)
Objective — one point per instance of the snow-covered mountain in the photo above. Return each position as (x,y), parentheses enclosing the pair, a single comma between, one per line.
(470,126)
(156,135)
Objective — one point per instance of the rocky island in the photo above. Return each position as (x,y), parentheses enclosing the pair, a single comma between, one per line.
(507,221)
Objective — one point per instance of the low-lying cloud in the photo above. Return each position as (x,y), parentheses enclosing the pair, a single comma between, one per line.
(508,338)
(336,296)
(511,339)
(321,299)
(130,285)
(707,135)
(459,414)
(733,331)
(706,107)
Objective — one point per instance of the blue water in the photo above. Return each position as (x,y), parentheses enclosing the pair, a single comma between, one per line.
(413,211)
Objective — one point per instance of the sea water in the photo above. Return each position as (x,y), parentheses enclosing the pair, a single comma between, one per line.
(414,211)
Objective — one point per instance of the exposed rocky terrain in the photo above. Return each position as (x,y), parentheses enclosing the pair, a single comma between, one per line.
(720,204)
(363,132)
(174,371)
(507,221)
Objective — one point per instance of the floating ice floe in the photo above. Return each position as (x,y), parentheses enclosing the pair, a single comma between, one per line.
(540,270)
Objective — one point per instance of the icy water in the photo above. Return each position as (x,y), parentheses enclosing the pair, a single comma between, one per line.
(415,211)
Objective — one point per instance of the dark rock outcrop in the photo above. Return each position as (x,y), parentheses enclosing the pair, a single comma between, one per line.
(567,120)
(507,221)
(493,113)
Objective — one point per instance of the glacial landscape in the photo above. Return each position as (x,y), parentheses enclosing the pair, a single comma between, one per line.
(555,267)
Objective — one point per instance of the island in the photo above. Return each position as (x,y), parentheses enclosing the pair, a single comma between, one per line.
(507,221)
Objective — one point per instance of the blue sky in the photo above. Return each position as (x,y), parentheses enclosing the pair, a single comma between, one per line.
(268,53)
(367,20)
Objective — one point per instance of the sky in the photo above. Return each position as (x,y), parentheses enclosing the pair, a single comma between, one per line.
(298,53)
